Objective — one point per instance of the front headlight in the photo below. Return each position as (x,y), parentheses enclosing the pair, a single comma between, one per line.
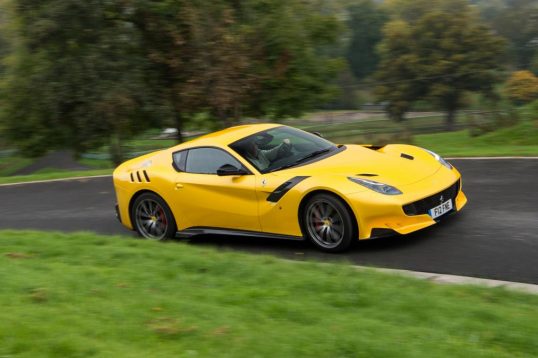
(376,186)
(439,159)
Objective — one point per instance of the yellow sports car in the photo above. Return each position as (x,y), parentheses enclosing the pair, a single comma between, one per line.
(277,181)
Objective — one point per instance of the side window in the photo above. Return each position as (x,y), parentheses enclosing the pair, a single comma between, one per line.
(179,159)
(208,160)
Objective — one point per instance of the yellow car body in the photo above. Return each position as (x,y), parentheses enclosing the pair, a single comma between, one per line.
(239,203)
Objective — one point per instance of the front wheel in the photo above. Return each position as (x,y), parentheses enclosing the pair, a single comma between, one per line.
(328,223)
(153,218)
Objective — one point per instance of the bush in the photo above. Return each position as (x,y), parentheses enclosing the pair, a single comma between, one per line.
(522,87)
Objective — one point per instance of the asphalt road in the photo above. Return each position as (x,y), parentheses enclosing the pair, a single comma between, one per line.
(495,236)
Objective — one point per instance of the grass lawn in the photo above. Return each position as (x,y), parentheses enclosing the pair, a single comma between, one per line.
(9,165)
(83,295)
(519,140)
(48,174)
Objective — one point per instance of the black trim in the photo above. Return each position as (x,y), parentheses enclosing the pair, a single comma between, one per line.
(422,206)
(146,176)
(372,146)
(118,216)
(202,230)
(407,156)
(283,188)
(378,233)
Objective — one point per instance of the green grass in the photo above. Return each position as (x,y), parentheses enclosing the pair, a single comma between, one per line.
(84,295)
(519,140)
(9,165)
(48,174)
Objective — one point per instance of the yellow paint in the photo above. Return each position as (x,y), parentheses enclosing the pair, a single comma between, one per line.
(239,202)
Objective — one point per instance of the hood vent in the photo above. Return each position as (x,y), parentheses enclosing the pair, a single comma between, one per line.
(407,156)
(367,175)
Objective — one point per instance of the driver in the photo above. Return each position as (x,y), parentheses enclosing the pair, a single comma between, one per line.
(262,158)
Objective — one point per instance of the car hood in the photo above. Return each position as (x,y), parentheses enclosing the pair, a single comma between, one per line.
(383,166)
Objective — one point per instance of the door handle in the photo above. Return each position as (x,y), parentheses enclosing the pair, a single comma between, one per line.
(179,185)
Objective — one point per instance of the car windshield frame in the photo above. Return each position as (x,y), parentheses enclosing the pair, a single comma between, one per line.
(320,148)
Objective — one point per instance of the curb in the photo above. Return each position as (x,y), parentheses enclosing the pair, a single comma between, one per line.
(55,180)
(443,279)
(458,280)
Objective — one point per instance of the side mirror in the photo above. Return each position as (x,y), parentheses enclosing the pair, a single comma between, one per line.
(228,169)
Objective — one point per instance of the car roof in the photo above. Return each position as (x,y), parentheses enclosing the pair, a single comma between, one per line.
(227,136)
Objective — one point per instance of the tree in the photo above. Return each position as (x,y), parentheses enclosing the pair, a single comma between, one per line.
(522,87)
(366,19)
(399,83)
(231,58)
(516,21)
(446,52)
(76,79)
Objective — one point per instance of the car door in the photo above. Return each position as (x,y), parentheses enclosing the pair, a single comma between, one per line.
(210,200)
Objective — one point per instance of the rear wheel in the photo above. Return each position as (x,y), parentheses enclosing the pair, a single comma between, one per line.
(327,223)
(152,218)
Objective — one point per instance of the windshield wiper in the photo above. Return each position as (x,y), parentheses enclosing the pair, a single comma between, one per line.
(305,158)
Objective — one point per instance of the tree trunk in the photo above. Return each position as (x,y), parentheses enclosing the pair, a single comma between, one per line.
(450,119)
(179,126)
(116,153)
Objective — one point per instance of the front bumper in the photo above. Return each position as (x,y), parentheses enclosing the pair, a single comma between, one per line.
(378,215)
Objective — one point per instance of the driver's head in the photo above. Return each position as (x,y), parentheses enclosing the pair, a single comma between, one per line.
(251,148)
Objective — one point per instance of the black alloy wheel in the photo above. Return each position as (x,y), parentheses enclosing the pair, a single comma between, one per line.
(152,218)
(328,223)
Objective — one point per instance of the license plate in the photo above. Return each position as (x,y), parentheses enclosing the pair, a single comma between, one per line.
(440,209)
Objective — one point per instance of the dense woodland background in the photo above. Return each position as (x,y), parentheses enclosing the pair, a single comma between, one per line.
(82,74)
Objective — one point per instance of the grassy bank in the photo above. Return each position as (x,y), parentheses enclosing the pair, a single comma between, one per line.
(519,140)
(54,174)
(82,295)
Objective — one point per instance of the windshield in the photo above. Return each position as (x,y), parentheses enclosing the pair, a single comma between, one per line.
(281,147)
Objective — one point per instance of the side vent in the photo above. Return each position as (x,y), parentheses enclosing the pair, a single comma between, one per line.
(407,156)
(146,176)
(137,178)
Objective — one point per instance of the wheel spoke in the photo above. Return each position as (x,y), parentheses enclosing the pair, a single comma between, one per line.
(335,235)
(144,207)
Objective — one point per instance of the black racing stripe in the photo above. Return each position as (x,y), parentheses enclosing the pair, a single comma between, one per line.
(282,189)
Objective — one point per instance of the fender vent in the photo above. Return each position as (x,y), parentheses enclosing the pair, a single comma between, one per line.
(137,178)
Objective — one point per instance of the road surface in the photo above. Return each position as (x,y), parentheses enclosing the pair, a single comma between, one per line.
(495,236)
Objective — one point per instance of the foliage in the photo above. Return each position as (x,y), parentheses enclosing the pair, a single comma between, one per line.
(522,87)
(234,59)
(84,74)
(436,49)
(366,19)
(76,78)
(517,21)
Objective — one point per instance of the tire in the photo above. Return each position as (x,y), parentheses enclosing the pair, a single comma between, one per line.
(328,223)
(152,218)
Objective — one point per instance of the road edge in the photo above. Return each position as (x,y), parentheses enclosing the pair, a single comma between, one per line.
(55,180)
(458,280)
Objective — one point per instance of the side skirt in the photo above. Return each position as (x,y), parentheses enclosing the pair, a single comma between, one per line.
(193,231)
